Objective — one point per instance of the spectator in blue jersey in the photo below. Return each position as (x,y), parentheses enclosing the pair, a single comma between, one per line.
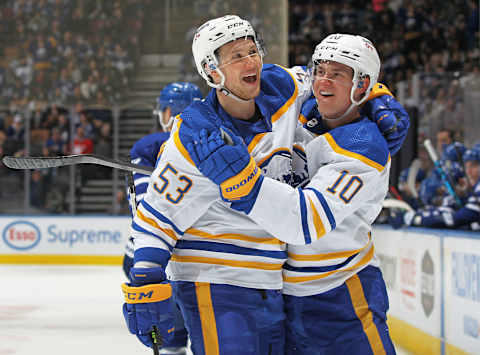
(452,162)
(465,217)
(16,130)
(55,144)
(173,99)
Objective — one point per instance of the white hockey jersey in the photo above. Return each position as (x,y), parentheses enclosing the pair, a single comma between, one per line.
(349,170)
(182,218)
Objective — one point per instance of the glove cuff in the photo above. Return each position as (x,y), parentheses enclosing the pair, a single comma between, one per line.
(241,184)
(378,90)
(147,293)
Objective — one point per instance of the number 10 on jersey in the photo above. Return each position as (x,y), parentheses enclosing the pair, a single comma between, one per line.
(347,190)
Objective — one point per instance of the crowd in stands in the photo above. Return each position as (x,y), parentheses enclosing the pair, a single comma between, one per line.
(63,64)
(57,131)
(68,51)
(411,36)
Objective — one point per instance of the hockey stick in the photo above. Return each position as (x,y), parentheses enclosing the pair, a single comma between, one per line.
(154,334)
(156,340)
(25,163)
(438,166)
(395,193)
(412,177)
(393,203)
(47,162)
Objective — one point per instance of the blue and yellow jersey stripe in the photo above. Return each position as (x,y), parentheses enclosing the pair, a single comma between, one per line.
(317,274)
(364,159)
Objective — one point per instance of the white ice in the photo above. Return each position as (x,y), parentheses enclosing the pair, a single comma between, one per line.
(58,310)
(55,310)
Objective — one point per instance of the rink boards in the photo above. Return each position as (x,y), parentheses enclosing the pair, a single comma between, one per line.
(98,240)
(433,283)
(432,276)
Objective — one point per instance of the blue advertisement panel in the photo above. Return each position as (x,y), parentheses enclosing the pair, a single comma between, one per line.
(462,293)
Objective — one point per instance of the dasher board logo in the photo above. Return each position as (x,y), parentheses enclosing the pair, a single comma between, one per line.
(21,235)
(471,326)
(427,284)
(408,278)
(388,265)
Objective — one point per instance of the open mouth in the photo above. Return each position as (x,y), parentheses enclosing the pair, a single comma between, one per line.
(325,94)
(250,79)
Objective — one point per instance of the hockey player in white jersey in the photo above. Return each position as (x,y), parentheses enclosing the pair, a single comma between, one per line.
(173,99)
(225,269)
(335,296)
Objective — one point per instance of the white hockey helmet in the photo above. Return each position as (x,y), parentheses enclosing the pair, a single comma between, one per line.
(213,34)
(357,52)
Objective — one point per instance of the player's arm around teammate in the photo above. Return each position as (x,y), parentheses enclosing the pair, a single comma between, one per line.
(226,268)
(335,295)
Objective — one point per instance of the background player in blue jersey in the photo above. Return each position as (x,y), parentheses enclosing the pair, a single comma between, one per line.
(226,270)
(334,292)
(173,99)
(466,216)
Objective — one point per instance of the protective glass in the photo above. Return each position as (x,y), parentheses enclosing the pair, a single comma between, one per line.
(242,58)
(324,70)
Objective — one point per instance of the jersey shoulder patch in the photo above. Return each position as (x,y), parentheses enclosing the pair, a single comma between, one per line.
(276,88)
(361,140)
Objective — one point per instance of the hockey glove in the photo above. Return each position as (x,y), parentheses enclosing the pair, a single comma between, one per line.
(228,165)
(390,117)
(313,119)
(148,304)
(403,219)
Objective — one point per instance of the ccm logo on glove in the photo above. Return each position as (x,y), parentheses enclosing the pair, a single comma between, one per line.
(147,293)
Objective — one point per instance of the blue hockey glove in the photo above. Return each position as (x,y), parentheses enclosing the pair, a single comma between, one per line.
(148,304)
(390,117)
(396,220)
(228,165)
(403,219)
(313,118)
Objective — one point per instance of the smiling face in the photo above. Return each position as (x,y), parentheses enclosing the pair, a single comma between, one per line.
(332,84)
(241,65)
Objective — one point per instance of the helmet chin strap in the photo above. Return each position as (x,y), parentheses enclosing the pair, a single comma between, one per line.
(223,89)
(166,127)
(227,92)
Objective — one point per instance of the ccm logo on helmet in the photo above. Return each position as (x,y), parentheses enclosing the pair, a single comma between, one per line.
(243,182)
(236,24)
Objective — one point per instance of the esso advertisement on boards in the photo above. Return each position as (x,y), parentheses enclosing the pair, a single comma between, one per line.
(82,235)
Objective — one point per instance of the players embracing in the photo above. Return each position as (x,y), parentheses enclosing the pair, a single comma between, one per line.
(219,215)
